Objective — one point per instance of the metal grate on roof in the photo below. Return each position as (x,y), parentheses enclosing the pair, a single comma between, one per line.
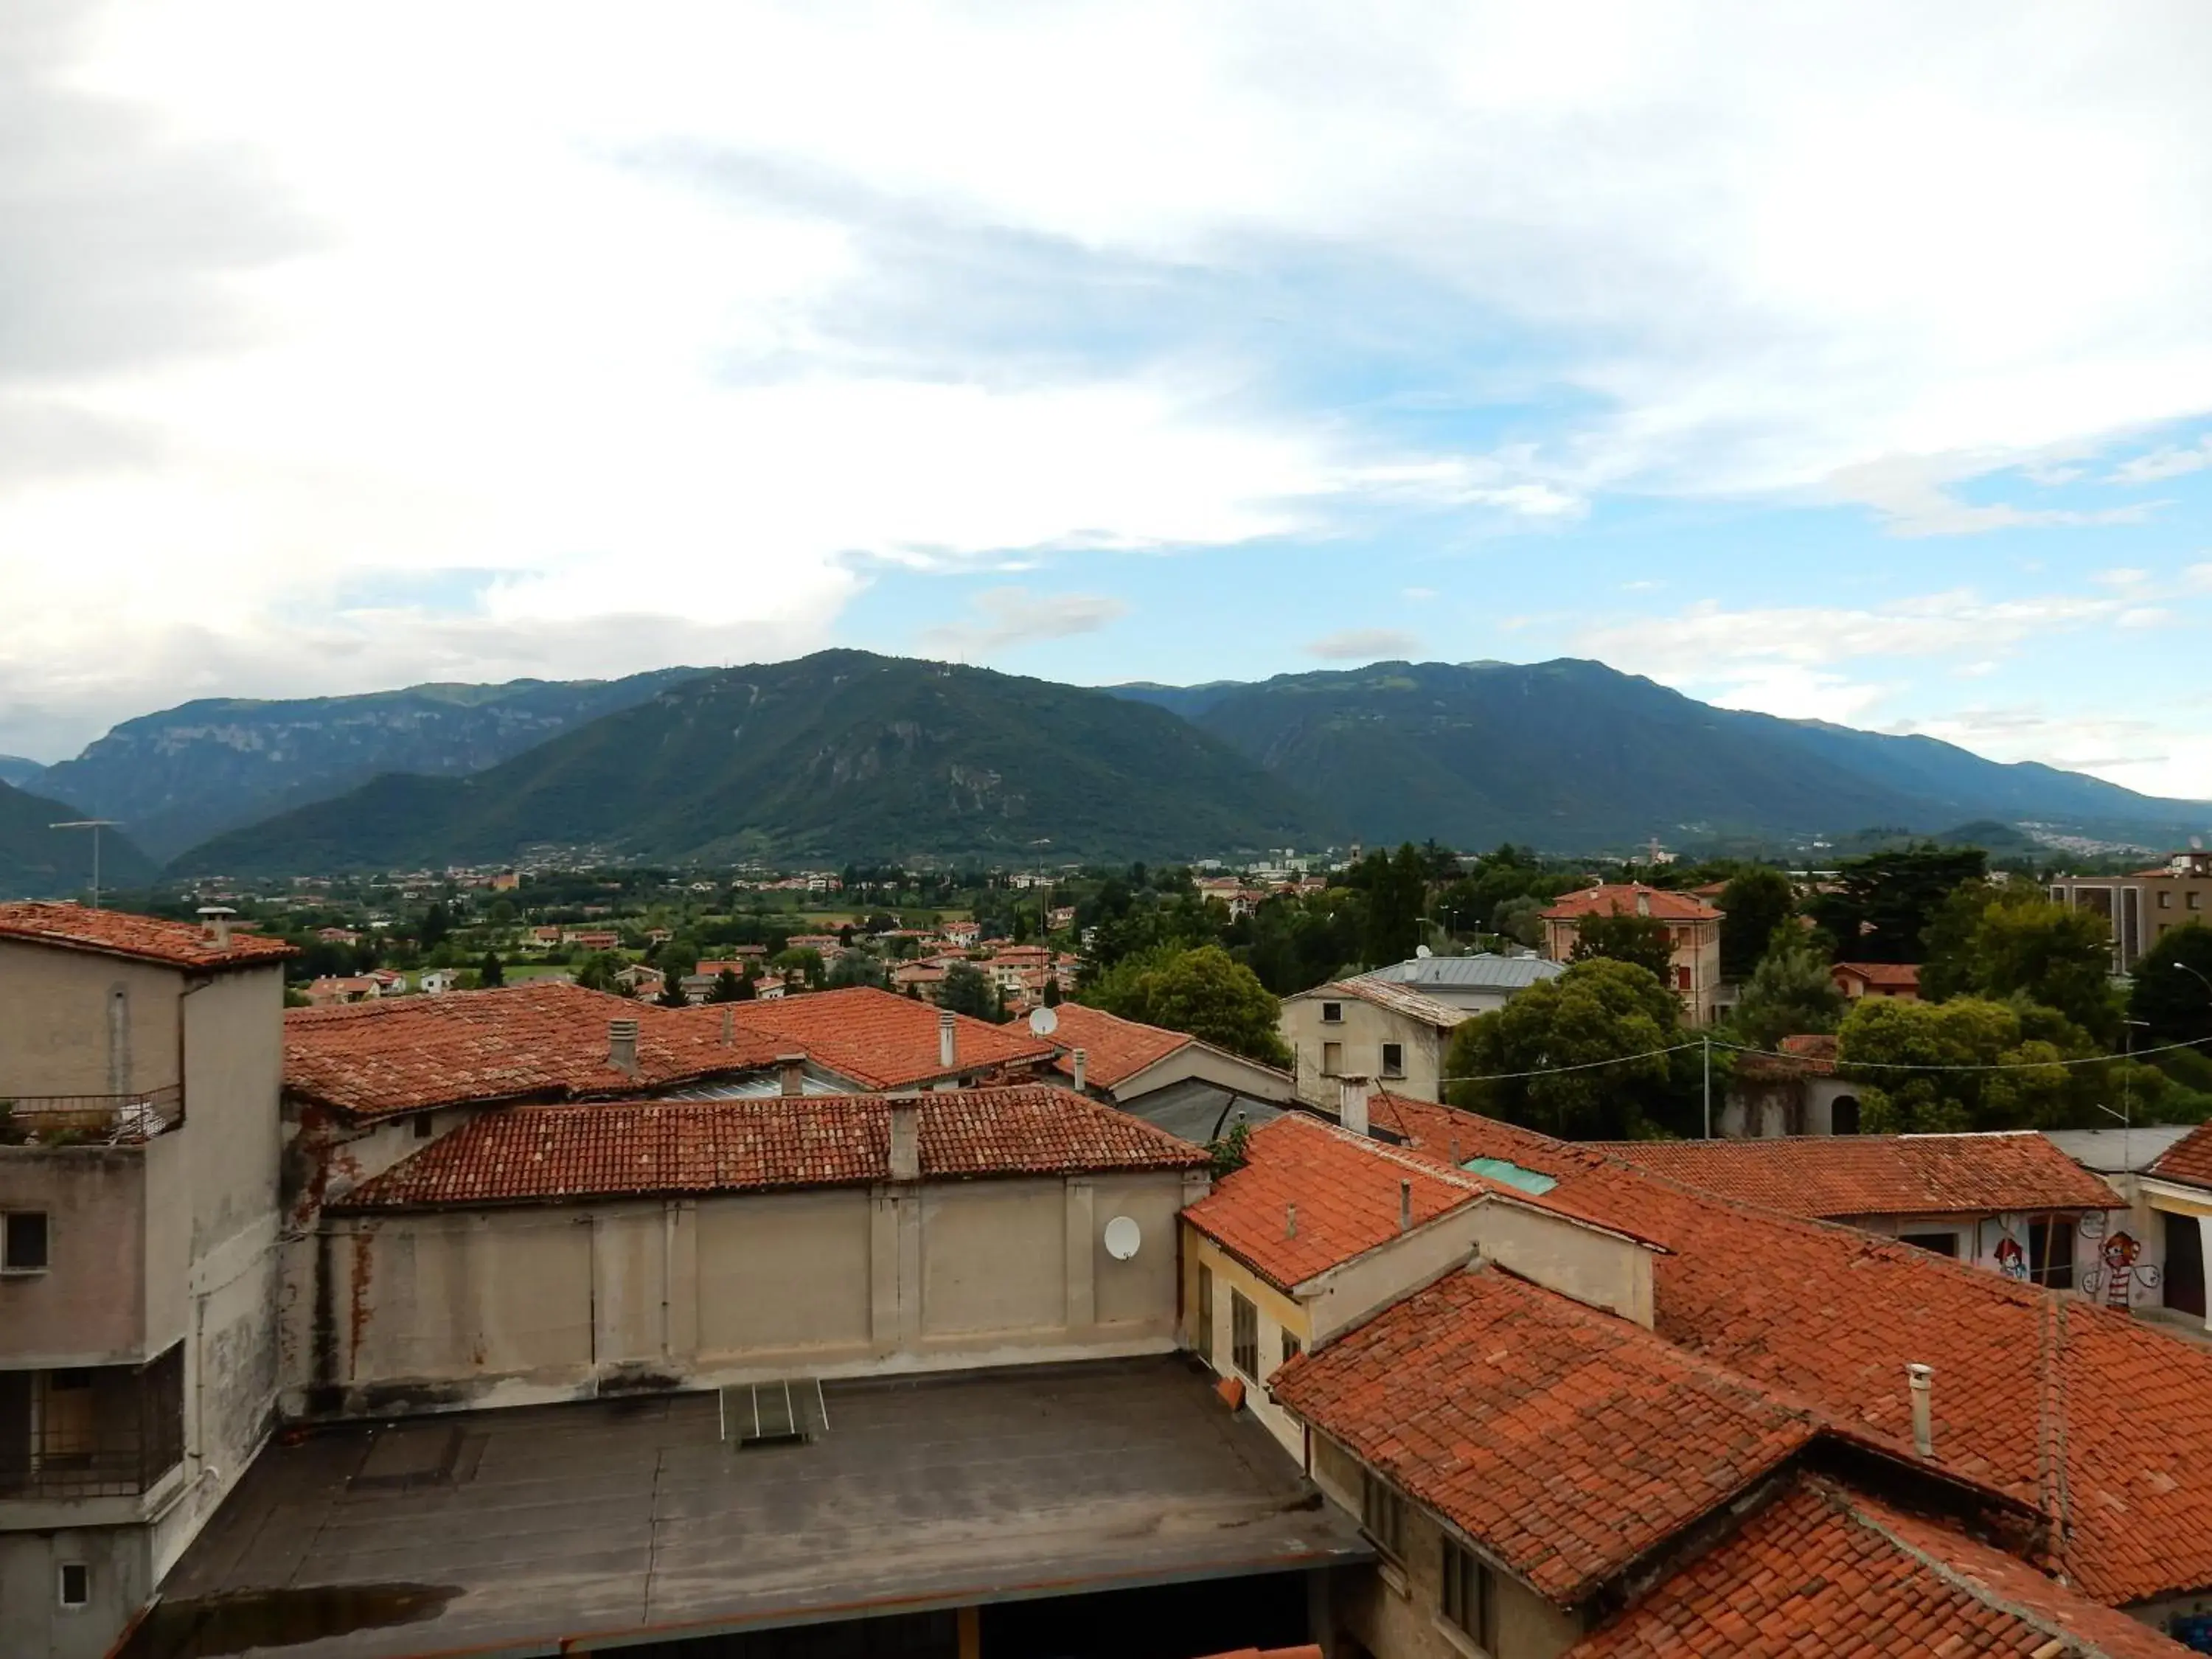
(780,1413)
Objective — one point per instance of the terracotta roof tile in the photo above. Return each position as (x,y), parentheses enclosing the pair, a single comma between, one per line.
(2029,1384)
(2189,1160)
(543,1041)
(1896,975)
(1114,1049)
(631,1148)
(1398,998)
(1826,1570)
(1565,1442)
(878,1039)
(142,938)
(1621,898)
(1836,1177)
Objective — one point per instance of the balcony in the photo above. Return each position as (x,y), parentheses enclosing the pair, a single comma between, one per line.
(88,1119)
(100,1431)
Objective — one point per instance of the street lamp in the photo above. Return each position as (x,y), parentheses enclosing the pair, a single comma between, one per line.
(95,825)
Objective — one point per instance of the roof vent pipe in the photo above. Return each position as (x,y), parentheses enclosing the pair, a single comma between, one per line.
(1642,902)
(1081,1063)
(947,1041)
(1351,1104)
(791,1075)
(1404,1207)
(729,1027)
(906,1140)
(1916,1378)
(621,1045)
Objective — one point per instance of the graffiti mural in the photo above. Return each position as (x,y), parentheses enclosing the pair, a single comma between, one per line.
(2120,1271)
(2012,1261)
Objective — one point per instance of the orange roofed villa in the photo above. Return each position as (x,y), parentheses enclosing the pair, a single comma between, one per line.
(1693,936)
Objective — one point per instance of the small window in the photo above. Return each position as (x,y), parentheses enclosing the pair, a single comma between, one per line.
(1332,1059)
(1682,979)
(1394,1060)
(1205,1332)
(1383,1513)
(1332,1013)
(2166,900)
(74,1585)
(1243,1336)
(423,1126)
(1465,1596)
(2051,1254)
(2194,900)
(23,1242)
(1935,1243)
(1292,1347)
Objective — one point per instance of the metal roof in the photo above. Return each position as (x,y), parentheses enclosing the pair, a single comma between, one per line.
(1485,972)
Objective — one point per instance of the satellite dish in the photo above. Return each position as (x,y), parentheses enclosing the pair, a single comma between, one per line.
(1043,1022)
(2197,842)
(1423,952)
(1122,1237)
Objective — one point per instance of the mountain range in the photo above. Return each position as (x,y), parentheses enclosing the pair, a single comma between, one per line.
(846,755)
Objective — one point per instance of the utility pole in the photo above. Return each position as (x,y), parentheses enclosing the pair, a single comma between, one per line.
(1709,1088)
(95,825)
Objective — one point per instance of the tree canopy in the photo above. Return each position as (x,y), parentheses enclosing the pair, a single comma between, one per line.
(2173,1002)
(1641,941)
(1884,902)
(966,990)
(1600,1010)
(2011,942)
(2024,1088)
(1752,905)
(1789,993)
(1204,992)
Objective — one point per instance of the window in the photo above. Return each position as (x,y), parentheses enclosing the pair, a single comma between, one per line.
(422,1125)
(1205,1313)
(1682,978)
(1936,1243)
(2051,1254)
(1243,1336)
(1465,1597)
(1332,1058)
(23,1242)
(1292,1347)
(2194,900)
(1394,1060)
(1332,1013)
(73,1585)
(1383,1513)
(2166,900)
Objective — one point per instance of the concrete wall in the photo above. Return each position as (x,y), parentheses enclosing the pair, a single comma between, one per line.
(1209,1064)
(1277,1313)
(89,1308)
(1362,1032)
(34,1624)
(521,1303)
(1595,1267)
(1396,1610)
(1349,1295)
(80,1023)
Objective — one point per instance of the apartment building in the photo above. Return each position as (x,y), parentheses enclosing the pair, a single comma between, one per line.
(1369,1028)
(1693,937)
(139,1071)
(2140,906)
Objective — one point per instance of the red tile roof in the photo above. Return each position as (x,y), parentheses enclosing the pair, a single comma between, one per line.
(631,1148)
(1345,1190)
(541,1040)
(878,1039)
(1896,975)
(1835,1177)
(1826,1570)
(1621,898)
(142,938)
(1114,1049)
(2102,1422)
(2189,1160)
(1565,1442)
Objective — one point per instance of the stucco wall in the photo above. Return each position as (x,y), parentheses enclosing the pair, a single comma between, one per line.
(1592,1266)
(432,1310)
(80,1023)
(32,1625)
(1981,1240)
(1210,1065)
(1277,1314)
(1363,1031)
(88,1307)
(1348,1295)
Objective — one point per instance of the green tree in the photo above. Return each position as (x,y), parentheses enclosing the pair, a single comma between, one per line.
(857,968)
(1883,903)
(1397,887)
(1601,1010)
(1752,905)
(597,971)
(1989,1067)
(489,972)
(1789,993)
(965,990)
(1521,919)
(2172,1001)
(677,956)
(727,988)
(1204,992)
(1641,941)
(1052,990)
(2011,942)
(671,993)
(437,922)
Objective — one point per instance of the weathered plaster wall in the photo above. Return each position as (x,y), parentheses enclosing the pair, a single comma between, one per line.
(84,1025)
(1595,1267)
(1362,1032)
(89,1308)
(31,1624)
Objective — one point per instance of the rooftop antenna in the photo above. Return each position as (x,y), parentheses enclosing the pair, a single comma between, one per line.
(95,825)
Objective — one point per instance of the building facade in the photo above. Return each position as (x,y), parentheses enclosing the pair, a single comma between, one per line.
(1693,935)
(2137,908)
(1367,1028)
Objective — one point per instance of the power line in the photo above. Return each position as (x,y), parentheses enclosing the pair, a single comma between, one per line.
(1777,1053)
(1582,1066)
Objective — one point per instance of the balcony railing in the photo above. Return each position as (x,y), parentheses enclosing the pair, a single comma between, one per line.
(88,1119)
(108,1431)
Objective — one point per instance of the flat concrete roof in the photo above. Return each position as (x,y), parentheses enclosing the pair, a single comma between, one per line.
(505,1532)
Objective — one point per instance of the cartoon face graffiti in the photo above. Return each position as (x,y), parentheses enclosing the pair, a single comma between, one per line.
(2012,1261)
(2119,1275)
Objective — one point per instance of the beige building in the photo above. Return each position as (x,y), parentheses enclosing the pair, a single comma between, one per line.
(139,1069)
(1367,1028)
(2139,907)
(1694,934)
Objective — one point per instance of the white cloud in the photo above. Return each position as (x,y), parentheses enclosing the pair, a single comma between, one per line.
(1014,617)
(1910,494)
(2121,576)
(2166,463)
(1365,645)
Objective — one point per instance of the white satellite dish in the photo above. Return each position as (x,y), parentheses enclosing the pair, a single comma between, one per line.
(1043,1022)
(1122,1237)
(1423,952)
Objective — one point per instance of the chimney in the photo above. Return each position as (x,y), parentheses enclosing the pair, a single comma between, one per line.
(948,1043)
(1916,1378)
(1290,1221)
(791,1075)
(729,1026)
(906,1140)
(1351,1104)
(1642,902)
(1404,1207)
(1081,1061)
(621,1045)
(214,920)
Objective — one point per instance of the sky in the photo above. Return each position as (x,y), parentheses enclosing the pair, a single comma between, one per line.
(1846,362)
